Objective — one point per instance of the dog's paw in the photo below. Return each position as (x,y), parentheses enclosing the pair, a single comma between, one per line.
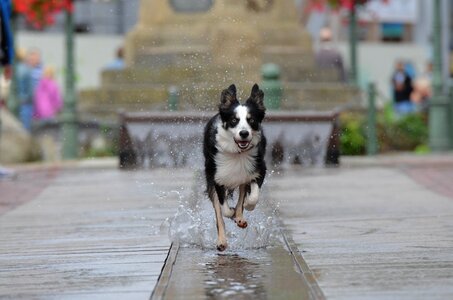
(240,222)
(221,245)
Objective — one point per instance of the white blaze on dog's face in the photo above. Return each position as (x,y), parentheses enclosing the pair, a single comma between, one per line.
(242,132)
(240,128)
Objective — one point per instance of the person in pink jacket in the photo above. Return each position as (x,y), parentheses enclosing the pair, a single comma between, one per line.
(48,100)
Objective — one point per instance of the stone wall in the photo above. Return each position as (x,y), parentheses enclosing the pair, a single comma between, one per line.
(15,143)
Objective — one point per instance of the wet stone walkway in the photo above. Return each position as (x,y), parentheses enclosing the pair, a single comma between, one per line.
(99,233)
(91,233)
(372,232)
(364,232)
(249,274)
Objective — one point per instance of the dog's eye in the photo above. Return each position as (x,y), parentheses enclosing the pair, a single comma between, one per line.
(234,121)
(251,121)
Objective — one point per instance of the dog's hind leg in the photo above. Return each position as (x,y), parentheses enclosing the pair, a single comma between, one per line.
(221,237)
(252,198)
(238,216)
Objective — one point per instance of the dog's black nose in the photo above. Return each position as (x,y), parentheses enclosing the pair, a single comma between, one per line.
(244,133)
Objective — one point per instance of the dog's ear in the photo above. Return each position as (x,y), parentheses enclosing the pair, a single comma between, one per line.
(228,97)
(257,98)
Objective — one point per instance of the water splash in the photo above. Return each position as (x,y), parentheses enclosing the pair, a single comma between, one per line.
(194,222)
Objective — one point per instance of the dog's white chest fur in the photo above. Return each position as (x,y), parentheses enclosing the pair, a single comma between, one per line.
(234,169)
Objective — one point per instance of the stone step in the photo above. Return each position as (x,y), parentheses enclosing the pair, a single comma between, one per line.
(292,35)
(106,102)
(218,76)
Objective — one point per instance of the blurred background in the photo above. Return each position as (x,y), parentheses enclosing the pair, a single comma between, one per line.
(383,68)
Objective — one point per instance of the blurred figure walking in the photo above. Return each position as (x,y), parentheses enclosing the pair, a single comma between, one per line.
(118,62)
(48,101)
(422,92)
(328,56)
(35,64)
(24,89)
(402,89)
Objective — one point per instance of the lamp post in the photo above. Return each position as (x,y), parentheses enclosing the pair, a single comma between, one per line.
(69,118)
(353,43)
(439,107)
(372,141)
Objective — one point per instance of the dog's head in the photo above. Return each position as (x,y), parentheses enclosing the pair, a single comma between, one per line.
(242,121)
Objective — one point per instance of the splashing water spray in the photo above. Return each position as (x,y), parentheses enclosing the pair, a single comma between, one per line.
(193,225)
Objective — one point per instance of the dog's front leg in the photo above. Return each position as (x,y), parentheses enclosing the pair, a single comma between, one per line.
(238,215)
(221,237)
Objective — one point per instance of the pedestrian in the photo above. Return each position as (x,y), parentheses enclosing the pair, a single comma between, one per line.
(328,57)
(118,62)
(35,63)
(36,66)
(24,89)
(48,100)
(422,92)
(402,89)
(6,37)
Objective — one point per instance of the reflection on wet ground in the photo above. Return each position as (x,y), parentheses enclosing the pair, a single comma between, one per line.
(233,275)
(249,274)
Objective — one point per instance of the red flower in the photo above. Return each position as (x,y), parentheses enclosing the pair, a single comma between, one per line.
(41,12)
(346,3)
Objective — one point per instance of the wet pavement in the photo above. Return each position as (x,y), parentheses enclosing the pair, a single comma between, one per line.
(250,274)
(91,233)
(381,231)
(100,233)
(372,229)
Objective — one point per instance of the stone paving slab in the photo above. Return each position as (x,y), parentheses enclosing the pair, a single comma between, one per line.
(370,232)
(92,233)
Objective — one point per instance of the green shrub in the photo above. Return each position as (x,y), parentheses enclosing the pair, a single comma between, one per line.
(103,144)
(406,133)
(352,136)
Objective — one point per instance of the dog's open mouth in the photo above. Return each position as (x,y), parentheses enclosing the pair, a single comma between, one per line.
(242,144)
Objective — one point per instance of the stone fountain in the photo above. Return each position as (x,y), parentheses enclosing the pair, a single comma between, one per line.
(174,139)
(201,46)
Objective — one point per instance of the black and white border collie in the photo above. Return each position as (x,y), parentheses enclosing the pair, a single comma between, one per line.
(234,148)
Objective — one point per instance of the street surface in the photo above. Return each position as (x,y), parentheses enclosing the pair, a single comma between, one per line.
(375,228)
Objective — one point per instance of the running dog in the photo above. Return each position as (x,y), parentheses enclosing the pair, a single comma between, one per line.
(234,148)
